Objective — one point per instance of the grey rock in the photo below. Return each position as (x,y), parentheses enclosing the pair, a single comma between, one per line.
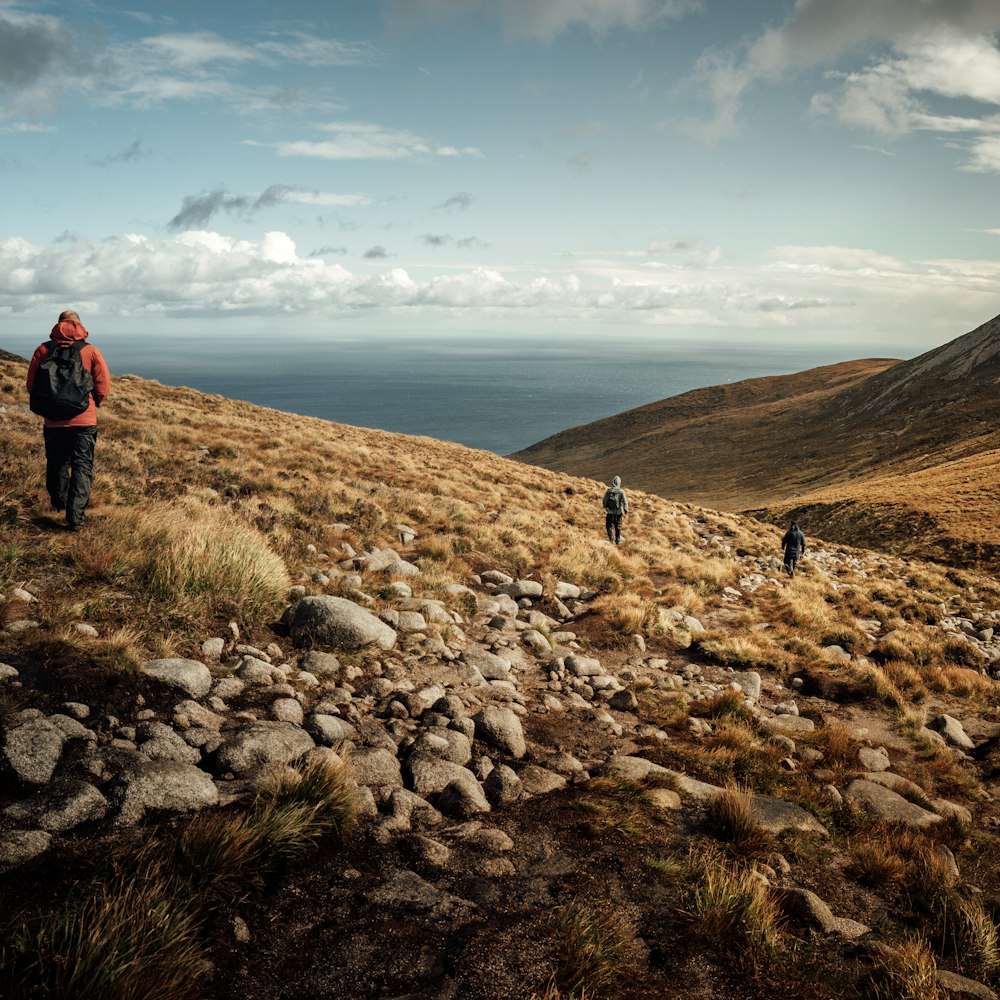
(33,749)
(521,588)
(335,621)
(777,815)
(447,743)
(160,785)
(886,804)
(323,665)
(60,806)
(951,729)
(375,767)
(429,775)
(261,744)
(806,906)
(873,760)
(406,891)
(489,665)
(961,986)
(212,649)
(502,786)
(189,676)
(749,681)
(788,725)
(624,701)
(18,847)
(287,710)
(159,742)
(191,714)
(500,728)
(537,780)
(583,666)
(462,799)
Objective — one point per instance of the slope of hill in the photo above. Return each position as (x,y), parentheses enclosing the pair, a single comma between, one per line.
(869,452)
(312,710)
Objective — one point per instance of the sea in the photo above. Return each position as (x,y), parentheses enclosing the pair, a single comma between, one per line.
(498,393)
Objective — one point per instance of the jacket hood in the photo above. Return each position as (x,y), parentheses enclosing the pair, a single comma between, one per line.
(68,331)
(617,481)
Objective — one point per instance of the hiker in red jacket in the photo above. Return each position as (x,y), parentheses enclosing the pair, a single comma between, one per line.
(67,381)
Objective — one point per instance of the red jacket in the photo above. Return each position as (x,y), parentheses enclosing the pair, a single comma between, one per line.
(66,333)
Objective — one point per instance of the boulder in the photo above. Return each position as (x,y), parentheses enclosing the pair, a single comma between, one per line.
(375,767)
(190,676)
(261,744)
(489,665)
(160,785)
(335,621)
(60,806)
(18,847)
(500,728)
(886,804)
(33,749)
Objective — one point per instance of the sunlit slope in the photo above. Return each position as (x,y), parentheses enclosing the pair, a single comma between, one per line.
(897,455)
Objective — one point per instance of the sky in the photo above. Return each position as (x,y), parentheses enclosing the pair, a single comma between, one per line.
(819,171)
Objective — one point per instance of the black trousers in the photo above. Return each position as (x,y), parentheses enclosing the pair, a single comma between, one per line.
(613,524)
(69,468)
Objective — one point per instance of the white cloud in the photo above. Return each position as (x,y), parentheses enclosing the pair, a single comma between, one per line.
(195,49)
(830,291)
(544,19)
(366,141)
(916,53)
(984,156)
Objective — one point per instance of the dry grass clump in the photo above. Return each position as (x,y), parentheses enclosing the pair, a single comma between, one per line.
(730,908)
(729,816)
(907,971)
(741,652)
(595,945)
(738,752)
(627,614)
(626,808)
(197,556)
(876,684)
(968,934)
(129,940)
(139,934)
(905,861)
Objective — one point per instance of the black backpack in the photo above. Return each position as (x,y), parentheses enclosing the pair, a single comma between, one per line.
(62,386)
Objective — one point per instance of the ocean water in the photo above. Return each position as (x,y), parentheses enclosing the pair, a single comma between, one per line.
(499,394)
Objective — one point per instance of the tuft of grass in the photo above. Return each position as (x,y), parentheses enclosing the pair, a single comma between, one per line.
(730,908)
(200,557)
(138,936)
(622,807)
(730,818)
(727,704)
(129,940)
(968,934)
(907,971)
(594,943)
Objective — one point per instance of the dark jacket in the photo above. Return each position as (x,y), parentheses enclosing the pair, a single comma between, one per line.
(794,542)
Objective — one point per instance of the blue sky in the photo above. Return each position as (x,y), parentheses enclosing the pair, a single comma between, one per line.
(819,171)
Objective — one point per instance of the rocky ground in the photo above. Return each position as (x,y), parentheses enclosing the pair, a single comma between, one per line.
(511,772)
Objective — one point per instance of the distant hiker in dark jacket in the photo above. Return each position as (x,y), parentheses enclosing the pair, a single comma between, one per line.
(616,507)
(794,544)
(70,429)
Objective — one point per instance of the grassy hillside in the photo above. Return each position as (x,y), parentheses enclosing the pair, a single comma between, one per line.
(899,456)
(685,815)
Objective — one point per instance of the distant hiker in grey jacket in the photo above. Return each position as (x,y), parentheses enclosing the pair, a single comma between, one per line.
(793,544)
(616,507)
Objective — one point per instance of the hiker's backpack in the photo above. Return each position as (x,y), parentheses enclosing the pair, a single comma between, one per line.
(614,500)
(62,386)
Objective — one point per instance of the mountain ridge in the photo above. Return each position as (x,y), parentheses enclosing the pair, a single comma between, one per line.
(811,444)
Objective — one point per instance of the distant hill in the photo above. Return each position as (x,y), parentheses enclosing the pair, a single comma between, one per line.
(7,356)
(898,455)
